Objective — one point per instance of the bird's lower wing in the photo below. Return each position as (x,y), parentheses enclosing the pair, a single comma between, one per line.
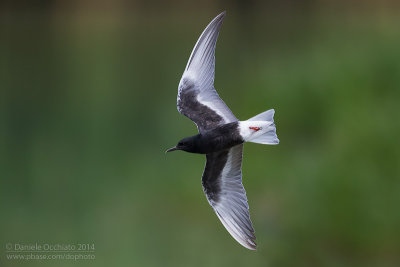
(222,184)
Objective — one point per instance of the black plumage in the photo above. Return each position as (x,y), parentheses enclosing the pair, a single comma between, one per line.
(221,137)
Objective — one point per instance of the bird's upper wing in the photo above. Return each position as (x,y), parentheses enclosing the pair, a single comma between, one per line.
(197,98)
(222,184)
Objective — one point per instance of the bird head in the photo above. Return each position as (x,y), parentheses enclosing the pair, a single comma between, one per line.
(186,144)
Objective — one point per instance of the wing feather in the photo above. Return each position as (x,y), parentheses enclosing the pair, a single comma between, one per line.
(197,99)
(222,184)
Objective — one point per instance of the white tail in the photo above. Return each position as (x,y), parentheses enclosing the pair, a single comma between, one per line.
(260,129)
(265,116)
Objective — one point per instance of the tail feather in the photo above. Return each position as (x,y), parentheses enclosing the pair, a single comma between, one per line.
(268,138)
(268,133)
(265,116)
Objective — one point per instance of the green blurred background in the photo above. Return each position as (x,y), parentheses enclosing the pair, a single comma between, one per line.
(88,107)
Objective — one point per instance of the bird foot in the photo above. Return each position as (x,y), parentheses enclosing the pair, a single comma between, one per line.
(255,128)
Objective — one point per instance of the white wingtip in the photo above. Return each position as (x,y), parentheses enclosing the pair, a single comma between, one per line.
(203,52)
(242,239)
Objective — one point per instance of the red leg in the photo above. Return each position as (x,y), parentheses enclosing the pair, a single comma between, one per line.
(255,128)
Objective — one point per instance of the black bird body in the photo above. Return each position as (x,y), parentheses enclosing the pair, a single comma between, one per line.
(221,137)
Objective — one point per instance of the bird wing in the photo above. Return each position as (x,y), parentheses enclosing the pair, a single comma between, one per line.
(197,98)
(222,184)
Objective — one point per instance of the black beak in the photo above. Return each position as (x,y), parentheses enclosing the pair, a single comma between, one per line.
(172,149)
